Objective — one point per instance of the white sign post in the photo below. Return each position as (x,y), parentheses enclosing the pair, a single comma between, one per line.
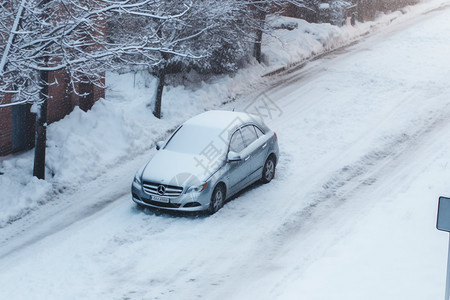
(443,223)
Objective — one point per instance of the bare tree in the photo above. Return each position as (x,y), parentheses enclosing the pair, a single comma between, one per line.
(217,33)
(258,11)
(199,33)
(52,35)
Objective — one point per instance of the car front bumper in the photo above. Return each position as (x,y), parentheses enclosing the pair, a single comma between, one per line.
(189,202)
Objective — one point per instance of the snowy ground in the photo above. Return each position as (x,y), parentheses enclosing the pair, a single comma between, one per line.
(122,127)
(351,214)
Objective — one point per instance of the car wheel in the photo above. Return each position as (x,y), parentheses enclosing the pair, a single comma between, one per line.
(217,199)
(268,170)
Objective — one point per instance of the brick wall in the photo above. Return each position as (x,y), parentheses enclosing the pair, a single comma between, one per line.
(17,123)
(5,129)
(294,11)
(60,103)
(99,92)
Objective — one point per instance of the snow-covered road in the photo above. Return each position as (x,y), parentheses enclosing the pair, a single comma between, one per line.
(364,138)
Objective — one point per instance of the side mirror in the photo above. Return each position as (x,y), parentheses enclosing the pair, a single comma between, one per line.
(159,145)
(233,156)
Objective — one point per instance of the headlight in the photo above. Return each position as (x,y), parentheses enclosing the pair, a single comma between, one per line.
(137,179)
(197,188)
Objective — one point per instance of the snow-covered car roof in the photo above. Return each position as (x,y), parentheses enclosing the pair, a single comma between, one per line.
(209,128)
(221,119)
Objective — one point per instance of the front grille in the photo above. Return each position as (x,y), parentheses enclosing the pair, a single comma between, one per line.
(172,191)
(161,204)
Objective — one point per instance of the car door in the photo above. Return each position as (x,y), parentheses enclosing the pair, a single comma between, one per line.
(255,151)
(239,170)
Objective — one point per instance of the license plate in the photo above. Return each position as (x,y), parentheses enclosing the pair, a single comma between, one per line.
(160,199)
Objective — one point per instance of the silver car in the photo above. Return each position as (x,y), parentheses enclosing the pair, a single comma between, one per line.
(207,160)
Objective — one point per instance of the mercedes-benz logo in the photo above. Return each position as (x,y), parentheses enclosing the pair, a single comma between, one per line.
(161,190)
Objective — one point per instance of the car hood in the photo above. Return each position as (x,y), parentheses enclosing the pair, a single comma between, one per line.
(180,169)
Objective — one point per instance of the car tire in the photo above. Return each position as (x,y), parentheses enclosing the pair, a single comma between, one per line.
(268,172)
(217,199)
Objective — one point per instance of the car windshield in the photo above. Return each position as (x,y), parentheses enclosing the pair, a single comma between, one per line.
(198,140)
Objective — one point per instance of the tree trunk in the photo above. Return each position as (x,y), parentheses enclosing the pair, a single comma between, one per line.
(159,92)
(86,100)
(259,33)
(41,130)
(257,46)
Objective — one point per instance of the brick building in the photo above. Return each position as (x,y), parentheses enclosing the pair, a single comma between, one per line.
(17,123)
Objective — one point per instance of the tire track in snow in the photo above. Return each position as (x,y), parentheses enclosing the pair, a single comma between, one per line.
(340,192)
(355,179)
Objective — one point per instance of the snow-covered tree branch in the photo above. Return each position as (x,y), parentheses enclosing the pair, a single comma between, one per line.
(39,36)
(71,35)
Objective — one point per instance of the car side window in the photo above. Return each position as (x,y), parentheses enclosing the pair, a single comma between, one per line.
(259,133)
(237,143)
(248,134)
